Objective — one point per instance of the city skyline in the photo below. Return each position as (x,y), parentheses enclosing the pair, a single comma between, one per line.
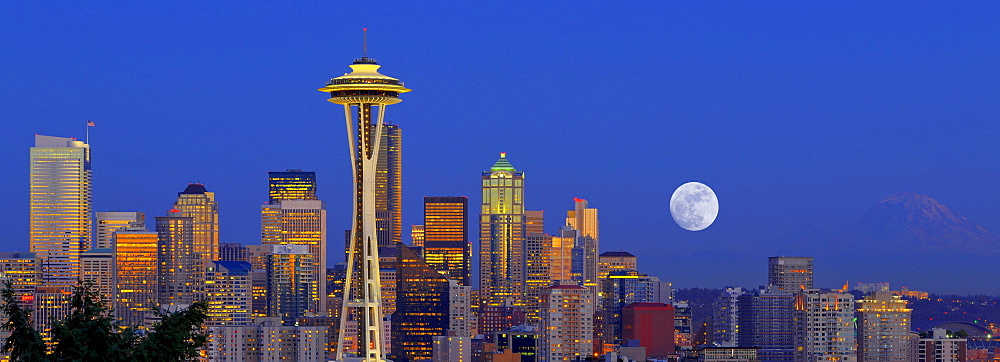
(792,144)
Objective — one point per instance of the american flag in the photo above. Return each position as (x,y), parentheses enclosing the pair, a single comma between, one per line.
(90,123)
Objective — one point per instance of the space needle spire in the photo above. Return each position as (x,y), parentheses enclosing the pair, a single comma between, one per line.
(364,93)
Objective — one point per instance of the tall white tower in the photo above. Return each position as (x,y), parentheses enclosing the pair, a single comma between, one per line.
(364,92)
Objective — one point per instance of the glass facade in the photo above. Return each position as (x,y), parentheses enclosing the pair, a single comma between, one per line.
(60,207)
(502,227)
(446,241)
(422,305)
(291,185)
(300,222)
(228,287)
(136,275)
(389,187)
(200,205)
(291,286)
(178,265)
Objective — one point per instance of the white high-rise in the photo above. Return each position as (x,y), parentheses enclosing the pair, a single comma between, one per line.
(60,207)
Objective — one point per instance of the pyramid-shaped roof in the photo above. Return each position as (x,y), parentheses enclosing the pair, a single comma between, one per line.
(502,164)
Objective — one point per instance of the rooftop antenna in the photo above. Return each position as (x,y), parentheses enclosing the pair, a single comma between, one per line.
(364,51)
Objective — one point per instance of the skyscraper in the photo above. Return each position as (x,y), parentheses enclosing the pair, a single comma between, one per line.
(291,185)
(291,287)
(200,205)
(21,270)
(534,222)
(584,219)
(824,326)
(790,273)
(766,320)
(422,307)
(883,322)
(228,291)
(389,187)
(299,222)
(362,92)
(725,321)
(567,326)
(60,207)
(136,265)
(417,235)
(110,221)
(537,274)
(501,233)
(650,324)
(446,237)
(178,264)
(97,265)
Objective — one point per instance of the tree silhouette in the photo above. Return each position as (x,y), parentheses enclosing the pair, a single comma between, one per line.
(24,342)
(90,332)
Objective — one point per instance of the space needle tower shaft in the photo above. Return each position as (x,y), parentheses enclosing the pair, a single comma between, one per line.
(364,93)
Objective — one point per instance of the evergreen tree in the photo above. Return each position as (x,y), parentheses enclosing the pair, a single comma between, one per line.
(24,343)
(90,332)
(177,337)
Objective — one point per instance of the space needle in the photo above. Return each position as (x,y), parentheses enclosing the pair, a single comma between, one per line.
(364,93)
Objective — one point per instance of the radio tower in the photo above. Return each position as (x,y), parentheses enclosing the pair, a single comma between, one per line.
(362,92)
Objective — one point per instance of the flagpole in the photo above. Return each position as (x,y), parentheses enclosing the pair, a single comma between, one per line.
(88,132)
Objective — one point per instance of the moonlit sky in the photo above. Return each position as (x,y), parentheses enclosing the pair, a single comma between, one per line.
(800,115)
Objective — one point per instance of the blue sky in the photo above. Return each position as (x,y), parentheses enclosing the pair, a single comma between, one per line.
(800,115)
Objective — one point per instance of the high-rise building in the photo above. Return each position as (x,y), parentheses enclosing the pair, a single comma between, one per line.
(452,349)
(266,339)
(233,252)
(60,208)
(790,273)
(939,346)
(725,317)
(389,187)
(567,326)
(561,255)
(650,324)
(417,236)
(537,273)
(459,309)
(824,326)
(584,219)
(291,283)
(98,266)
(22,271)
(446,237)
(51,304)
(110,221)
(178,264)
(291,185)
(612,261)
(200,205)
(136,266)
(883,322)
(365,94)
(622,288)
(228,291)
(501,233)
(422,307)
(766,320)
(299,222)
(534,222)
(257,256)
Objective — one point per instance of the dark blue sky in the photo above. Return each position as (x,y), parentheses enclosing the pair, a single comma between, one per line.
(800,115)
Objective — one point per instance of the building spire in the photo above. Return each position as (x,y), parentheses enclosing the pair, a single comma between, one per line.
(364,50)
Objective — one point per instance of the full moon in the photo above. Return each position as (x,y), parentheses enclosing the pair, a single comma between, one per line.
(694,206)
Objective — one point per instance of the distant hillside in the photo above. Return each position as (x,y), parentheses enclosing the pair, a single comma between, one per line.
(915,223)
